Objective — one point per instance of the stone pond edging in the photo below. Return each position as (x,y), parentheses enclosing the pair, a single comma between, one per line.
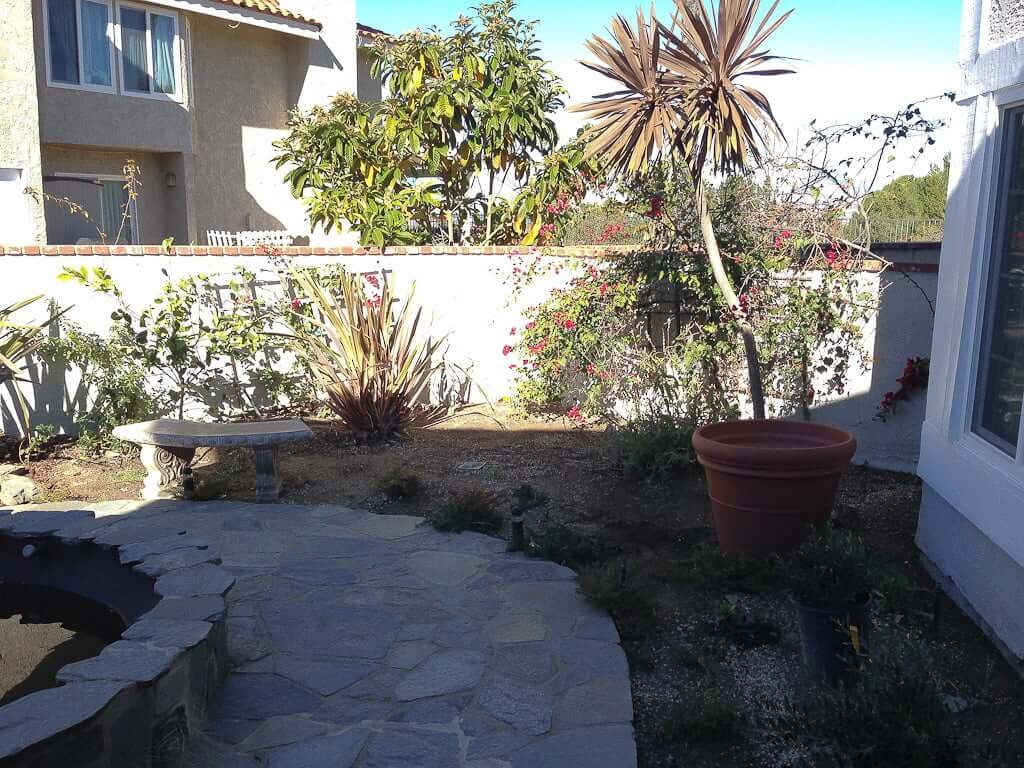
(140,700)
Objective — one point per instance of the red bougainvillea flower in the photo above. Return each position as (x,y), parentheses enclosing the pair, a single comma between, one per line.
(539,346)
(506,350)
(574,414)
(602,289)
(530,326)
(296,305)
(569,325)
(512,332)
(591,369)
(372,280)
(786,234)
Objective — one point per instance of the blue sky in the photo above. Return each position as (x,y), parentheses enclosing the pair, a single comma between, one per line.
(857,56)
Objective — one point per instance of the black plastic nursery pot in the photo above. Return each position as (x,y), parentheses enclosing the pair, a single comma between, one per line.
(833,639)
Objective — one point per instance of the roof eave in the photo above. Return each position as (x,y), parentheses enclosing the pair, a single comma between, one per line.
(240,15)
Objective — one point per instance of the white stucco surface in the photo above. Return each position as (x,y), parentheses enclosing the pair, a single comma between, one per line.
(971,521)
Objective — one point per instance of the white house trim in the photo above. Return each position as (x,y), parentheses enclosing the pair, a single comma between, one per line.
(244,16)
(178,74)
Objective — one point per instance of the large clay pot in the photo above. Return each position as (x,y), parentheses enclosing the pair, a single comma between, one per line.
(771,481)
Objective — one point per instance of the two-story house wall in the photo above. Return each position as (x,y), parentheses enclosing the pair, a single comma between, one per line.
(971,527)
(192,92)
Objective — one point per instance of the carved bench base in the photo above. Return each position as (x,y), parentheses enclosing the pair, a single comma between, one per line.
(163,470)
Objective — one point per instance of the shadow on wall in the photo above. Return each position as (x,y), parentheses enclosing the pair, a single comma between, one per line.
(903,329)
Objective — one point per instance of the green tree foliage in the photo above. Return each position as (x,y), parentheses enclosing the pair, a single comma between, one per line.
(912,197)
(468,119)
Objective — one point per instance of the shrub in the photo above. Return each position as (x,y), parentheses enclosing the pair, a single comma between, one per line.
(832,568)
(371,360)
(563,545)
(605,586)
(718,571)
(653,449)
(400,484)
(114,382)
(474,510)
(892,714)
(705,717)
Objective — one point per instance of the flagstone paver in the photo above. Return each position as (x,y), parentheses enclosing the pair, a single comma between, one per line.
(367,641)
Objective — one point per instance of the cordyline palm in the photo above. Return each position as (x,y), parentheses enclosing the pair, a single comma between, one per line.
(683,91)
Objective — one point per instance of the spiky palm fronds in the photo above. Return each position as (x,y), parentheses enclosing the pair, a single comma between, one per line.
(683,88)
(17,342)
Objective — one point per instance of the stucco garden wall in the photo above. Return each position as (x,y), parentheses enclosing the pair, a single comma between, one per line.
(467,295)
(19,123)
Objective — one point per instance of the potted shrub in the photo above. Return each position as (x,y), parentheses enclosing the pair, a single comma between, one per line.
(685,89)
(831,576)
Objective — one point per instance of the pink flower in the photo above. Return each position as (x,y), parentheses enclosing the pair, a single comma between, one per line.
(296,305)
(372,280)
(574,414)
(569,325)
(506,350)
(531,326)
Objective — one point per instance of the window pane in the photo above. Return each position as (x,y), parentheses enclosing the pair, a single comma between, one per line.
(117,226)
(63,41)
(133,50)
(95,45)
(163,53)
(1001,392)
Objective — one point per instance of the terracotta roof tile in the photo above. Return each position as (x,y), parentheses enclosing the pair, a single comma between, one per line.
(272,8)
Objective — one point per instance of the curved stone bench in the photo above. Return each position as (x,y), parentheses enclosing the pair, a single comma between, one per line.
(169,445)
(142,697)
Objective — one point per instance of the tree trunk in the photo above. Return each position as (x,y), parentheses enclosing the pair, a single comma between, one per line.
(707,229)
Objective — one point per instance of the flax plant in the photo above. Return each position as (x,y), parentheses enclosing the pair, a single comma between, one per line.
(367,353)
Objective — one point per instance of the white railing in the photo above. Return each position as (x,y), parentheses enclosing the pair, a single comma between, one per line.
(249,239)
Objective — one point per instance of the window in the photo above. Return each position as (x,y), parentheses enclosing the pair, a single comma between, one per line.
(81,46)
(93,209)
(1000,393)
(79,36)
(148,43)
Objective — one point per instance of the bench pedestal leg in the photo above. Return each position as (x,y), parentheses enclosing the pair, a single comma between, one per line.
(268,479)
(163,470)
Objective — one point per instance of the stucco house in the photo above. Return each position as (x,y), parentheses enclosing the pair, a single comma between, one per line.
(193,91)
(971,527)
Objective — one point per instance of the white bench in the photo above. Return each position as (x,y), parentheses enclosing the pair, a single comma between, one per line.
(169,445)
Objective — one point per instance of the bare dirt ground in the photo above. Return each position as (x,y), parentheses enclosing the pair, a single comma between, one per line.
(654,535)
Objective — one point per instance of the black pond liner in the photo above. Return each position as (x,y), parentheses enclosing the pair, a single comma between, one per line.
(82,587)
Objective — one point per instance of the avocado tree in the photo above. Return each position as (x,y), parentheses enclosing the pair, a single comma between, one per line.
(463,149)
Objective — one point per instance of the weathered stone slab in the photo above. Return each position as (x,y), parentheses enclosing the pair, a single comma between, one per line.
(559,598)
(279,731)
(257,697)
(412,749)
(317,573)
(521,569)
(32,522)
(445,672)
(408,655)
(39,716)
(336,750)
(598,701)
(169,633)
(594,657)
(323,676)
(201,608)
(386,526)
(516,629)
(131,532)
(124,660)
(444,568)
(130,554)
(598,628)
(330,630)
(199,580)
(598,747)
(524,707)
(158,565)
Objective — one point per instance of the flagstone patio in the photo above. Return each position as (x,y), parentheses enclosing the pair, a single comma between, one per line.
(374,641)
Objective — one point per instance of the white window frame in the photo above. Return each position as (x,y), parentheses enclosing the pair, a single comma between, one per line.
(81,86)
(152,94)
(985,446)
(133,218)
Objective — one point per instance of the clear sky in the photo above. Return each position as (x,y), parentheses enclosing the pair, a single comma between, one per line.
(855,56)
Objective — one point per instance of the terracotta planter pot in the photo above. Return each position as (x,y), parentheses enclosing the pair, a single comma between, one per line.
(770,481)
